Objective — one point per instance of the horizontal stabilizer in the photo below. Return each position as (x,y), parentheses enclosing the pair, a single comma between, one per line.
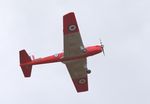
(25,58)
(27,70)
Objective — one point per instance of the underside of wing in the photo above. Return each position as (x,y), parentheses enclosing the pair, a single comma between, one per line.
(77,70)
(72,38)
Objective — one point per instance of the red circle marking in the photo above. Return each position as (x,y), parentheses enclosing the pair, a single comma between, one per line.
(72,27)
(82,81)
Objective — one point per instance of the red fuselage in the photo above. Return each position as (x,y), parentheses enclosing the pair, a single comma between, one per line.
(89,51)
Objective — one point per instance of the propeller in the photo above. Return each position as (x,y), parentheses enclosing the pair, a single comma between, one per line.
(102,47)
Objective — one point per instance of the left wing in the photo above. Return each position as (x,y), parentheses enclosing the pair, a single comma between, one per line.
(77,70)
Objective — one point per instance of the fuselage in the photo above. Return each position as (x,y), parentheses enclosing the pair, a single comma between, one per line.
(88,51)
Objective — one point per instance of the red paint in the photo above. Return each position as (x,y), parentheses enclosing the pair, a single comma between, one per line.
(25,58)
(68,20)
(70,26)
(27,63)
(81,87)
(92,50)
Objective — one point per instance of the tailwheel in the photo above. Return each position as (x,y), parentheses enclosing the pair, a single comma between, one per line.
(88,71)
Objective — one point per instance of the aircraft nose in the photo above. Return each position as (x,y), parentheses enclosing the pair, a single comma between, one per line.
(98,48)
(101,49)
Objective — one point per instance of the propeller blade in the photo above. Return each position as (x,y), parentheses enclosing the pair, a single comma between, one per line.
(103,51)
(102,47)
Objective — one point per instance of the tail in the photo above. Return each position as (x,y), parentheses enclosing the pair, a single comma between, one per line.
(25,58)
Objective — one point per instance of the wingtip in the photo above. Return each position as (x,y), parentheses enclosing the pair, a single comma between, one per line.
(69,23)
(70,13)
(81,85)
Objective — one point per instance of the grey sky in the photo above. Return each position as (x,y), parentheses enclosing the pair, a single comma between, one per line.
(121,77)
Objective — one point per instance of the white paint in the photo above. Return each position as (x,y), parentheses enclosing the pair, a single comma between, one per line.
(72,27)
(82,81)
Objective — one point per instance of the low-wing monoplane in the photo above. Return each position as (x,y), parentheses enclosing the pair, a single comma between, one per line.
(74,55)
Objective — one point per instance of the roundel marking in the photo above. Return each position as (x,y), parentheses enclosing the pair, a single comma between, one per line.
(72,27)
(82,81)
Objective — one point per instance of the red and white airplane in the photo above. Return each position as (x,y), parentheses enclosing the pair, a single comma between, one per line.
(74,55)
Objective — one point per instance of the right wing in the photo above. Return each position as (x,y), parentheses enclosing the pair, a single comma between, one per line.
(73,44)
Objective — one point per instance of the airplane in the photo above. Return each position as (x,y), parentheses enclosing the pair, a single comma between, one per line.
(74,55)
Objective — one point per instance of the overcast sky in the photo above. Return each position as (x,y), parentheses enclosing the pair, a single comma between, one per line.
(121,77)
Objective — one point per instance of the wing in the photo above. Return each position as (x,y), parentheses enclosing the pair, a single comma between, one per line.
(72,39)
(77,70)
